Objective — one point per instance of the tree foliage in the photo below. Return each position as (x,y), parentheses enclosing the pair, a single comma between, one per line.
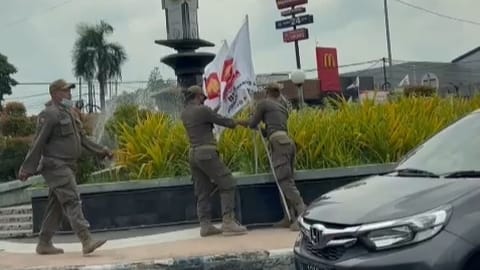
(95,58)
(6,81)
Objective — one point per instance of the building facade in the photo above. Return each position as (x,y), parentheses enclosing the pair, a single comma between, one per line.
(459,77)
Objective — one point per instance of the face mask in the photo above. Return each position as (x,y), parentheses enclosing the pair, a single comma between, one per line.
(67,103)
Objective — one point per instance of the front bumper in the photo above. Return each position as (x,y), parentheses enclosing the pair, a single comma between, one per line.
(443,252)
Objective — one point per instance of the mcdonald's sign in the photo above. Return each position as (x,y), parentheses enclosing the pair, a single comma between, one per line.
(329,61)
(327,68)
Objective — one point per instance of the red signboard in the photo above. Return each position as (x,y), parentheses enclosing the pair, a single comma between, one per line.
(293,11)
(327,66)
(294,35)
(290,3)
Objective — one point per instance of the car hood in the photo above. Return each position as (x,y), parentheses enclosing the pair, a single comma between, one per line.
(382,198)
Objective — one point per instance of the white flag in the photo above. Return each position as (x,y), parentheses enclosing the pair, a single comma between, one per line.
(238,75)
(212,85)
(355,84)
(404,81)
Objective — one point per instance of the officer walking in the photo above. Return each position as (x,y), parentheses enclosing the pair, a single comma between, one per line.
(207,169)
(57,145)
(274,113)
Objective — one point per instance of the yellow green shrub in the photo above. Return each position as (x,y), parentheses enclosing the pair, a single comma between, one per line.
(353,134)
(155,147)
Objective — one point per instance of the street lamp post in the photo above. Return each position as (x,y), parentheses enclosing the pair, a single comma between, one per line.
(298,78)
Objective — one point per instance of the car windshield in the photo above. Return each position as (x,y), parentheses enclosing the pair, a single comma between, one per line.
(454,149)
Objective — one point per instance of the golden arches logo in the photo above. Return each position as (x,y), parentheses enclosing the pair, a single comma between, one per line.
(329,61)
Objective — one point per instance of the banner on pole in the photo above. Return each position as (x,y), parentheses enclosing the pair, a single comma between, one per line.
(327,66)
(238,74)
(238,80)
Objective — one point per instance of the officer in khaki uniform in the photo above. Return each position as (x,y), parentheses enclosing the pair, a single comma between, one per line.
(273,112)
(57,145)
(207,169)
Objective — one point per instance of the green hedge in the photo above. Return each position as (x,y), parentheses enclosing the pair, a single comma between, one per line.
(12,153)
(352,134)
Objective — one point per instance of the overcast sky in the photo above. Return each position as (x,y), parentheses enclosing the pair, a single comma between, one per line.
(37,36)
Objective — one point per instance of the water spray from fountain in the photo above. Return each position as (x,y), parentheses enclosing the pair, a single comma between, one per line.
(157,96)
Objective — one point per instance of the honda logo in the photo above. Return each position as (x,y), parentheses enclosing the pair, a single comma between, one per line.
(319,235)
(315,235)
(329,61)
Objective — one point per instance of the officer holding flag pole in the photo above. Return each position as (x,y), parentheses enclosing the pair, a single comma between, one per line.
(274,113)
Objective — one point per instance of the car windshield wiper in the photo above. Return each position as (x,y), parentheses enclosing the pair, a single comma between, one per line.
(466,173)
(414,172)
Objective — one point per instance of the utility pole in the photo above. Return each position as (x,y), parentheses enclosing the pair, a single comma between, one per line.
(79,88)
(90,97)
(389,46)
(414,75)
(297,49)
(385,86)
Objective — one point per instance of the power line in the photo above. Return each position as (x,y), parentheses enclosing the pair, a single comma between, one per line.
(45,11)
(346,65)
(34,95)
(362,71)
(48,83)
(438,13)
(38,95)
(127,83)
(416,61)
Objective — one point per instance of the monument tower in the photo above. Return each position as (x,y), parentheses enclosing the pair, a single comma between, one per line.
(182,35)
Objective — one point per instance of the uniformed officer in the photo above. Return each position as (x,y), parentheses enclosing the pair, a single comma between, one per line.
(274,113)
(57,146)
(207,169)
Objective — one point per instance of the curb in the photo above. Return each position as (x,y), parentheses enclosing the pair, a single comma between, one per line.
(259,260)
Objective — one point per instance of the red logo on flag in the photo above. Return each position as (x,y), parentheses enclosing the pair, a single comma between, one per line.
(229,75)
(212,85)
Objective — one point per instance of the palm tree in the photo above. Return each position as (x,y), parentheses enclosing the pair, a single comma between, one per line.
(95,58)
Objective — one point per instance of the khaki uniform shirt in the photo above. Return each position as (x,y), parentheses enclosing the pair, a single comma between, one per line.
(198,121)
(59,135)
(273,113)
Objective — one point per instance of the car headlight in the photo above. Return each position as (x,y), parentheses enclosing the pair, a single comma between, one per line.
(391,234)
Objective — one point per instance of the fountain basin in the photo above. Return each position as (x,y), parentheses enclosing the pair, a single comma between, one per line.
(171,201)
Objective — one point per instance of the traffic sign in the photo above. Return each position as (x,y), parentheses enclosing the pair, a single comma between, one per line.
(295,35)
(301,20)
(290,3)
(293,11)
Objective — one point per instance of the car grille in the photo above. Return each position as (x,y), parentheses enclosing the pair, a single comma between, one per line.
(315,267)
(327,253)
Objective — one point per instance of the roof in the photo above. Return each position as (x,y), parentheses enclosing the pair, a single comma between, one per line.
(465,55)
(448,73)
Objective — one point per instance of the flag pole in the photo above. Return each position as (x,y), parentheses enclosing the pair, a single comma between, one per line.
(254,135)
(358,88)
(282,195)
(255,150)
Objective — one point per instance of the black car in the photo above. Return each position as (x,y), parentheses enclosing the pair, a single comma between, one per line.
(425,214)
